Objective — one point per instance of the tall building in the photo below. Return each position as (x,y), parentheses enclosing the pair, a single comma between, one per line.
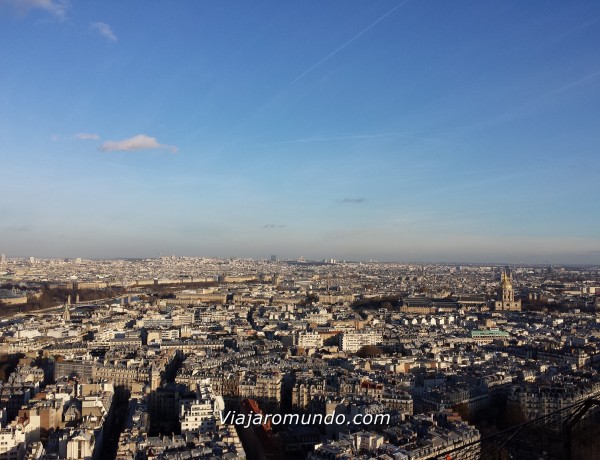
(506,294)
(2,259)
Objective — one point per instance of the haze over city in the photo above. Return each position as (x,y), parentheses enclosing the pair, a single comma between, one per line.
(352,130)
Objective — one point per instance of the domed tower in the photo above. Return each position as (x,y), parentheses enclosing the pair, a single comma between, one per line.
(506,294)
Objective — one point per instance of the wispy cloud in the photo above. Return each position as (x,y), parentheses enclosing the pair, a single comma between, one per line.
(274,226)
(577,28)
(18,228)
(351,137)
(352,200)
(340,48)
(105,30)
(87,136)
(57,8)
(139,142)
(534,104)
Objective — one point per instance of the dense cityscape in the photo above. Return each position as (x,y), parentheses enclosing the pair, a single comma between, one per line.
(321,230)
(140,359)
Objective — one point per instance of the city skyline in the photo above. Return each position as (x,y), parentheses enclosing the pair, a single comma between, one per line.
(394,131)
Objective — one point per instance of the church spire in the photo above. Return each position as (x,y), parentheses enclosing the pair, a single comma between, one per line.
(66,313)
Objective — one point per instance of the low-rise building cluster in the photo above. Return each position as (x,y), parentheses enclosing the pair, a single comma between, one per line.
(438,351)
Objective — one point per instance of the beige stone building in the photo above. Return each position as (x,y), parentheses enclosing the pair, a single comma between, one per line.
(506,295)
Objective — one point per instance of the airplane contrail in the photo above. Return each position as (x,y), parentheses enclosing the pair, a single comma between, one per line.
(340,48)
(356,137)
(574,83)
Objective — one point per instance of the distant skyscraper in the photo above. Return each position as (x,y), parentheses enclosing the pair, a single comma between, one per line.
(2,259)
(273,258)
(32,260)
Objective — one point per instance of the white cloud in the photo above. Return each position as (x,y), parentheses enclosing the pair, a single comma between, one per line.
(139,142)
(87,137)
(56,7)
(105,30)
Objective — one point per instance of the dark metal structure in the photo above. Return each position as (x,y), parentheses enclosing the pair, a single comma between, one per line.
(570,433)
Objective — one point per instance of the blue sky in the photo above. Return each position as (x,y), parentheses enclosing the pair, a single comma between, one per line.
(464,131)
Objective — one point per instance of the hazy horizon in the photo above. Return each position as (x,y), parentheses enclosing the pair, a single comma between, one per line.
(318,259)
(349,130)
